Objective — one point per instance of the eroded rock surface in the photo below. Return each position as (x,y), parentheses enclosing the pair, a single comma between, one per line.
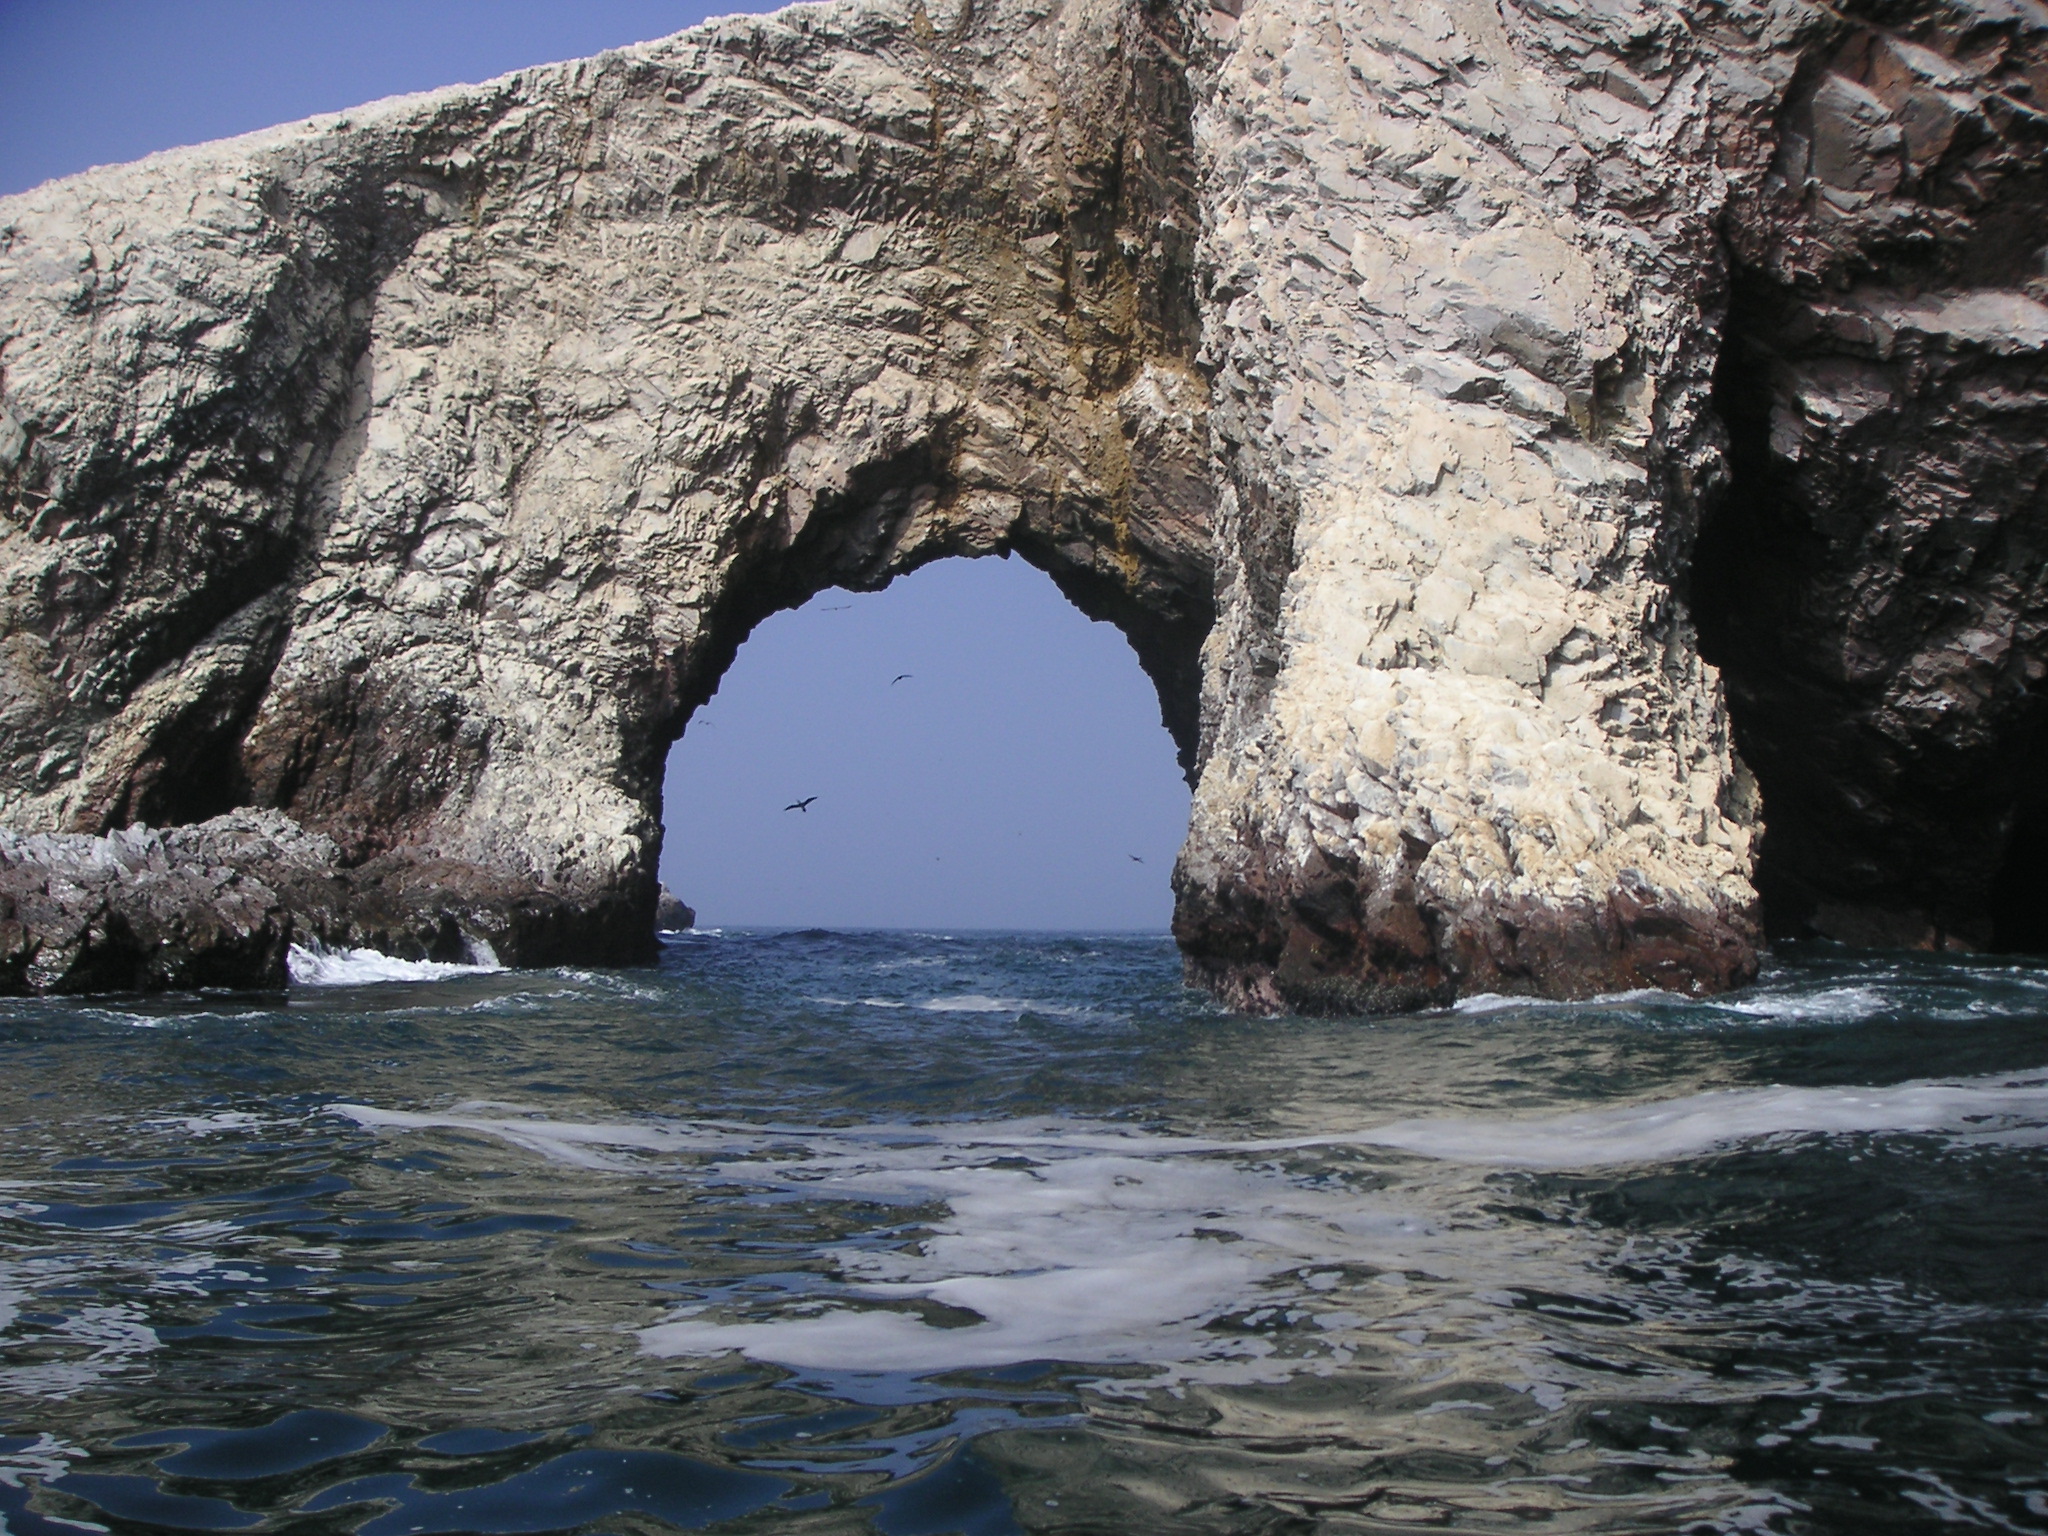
(144,911)
(1470,271)
(671,913)
(417,471)
(1377,368)
(1875,582)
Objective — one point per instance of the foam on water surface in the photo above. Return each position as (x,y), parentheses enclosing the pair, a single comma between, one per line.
(1980,1109)
(1641,1262)
(1091,1242)
(316,965)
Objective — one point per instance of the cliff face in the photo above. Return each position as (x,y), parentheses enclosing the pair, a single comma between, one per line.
(1415,385)
(1508,309)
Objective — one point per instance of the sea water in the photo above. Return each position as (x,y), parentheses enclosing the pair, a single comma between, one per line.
(918,1233)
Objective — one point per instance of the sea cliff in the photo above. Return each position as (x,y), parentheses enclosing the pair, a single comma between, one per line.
(1567,467)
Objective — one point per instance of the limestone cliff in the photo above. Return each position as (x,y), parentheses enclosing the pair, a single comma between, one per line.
(1436,393)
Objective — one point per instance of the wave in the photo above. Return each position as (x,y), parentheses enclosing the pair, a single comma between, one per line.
(315,965)
(1999,1108)
(563,1141)
(1502,1002)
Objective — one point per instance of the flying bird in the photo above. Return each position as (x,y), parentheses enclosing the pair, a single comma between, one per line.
(1134,858)
(899,677)
(803,805)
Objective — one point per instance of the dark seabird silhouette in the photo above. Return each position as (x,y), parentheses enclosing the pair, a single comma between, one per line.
(1134,858)
(899,677)
(803,805)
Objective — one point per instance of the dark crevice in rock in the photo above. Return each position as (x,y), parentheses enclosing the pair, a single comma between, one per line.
(2019,893)
(1871,585)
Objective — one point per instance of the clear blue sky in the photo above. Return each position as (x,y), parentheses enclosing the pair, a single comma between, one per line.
(1007,783)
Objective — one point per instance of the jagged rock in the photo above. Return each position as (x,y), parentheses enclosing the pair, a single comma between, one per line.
(141,911)
(219,902)
(1378,368)
(671,913)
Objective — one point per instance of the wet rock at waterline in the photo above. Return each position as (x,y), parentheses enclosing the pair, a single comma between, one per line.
(1414,385)
(671,913)
(220,903)
(140,911)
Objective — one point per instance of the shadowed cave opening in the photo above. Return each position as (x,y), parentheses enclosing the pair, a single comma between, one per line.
(1019,777)
(2019,893)
(1875,834)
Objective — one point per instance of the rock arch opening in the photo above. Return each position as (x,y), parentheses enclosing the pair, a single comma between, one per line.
(520,406)
(974,752)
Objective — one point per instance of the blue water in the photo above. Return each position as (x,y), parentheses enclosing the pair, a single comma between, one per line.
(920,1233)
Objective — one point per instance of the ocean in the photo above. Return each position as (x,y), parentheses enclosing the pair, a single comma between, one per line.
(917,1233)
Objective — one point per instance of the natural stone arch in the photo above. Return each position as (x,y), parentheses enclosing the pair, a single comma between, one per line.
(416,471)
(516,407)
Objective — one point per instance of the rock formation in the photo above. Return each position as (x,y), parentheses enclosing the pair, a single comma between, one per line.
(671,913)
(1441,396)
(143,911)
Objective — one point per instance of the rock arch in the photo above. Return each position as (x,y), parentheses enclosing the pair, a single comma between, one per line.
(1379,369)
(458,443)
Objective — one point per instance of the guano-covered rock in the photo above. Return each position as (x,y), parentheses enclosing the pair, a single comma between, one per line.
(1566,467)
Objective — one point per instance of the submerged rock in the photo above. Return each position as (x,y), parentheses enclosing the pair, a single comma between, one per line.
(1415,385)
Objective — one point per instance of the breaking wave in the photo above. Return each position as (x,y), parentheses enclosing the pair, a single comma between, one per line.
(315,965)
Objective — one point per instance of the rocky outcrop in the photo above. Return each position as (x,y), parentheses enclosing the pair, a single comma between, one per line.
(1499,300)
(671,913)
(144,911)
(218,904)
(418,471)
(1874,582)
(1439,395)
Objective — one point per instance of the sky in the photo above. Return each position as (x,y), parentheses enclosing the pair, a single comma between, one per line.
(1019,778)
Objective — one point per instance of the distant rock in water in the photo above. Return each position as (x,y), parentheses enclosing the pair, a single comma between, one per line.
(1568,468)
(671,915)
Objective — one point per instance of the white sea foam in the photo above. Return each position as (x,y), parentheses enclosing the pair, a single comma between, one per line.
(564,1141)
(1097,1258)
(1981,1109)
(315,965)
(2000,1108)
(1082,1241)
(1829,1005)
(975,1002)
(1501,1002)
(225,1121)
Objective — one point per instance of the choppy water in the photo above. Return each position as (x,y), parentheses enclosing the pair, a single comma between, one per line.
(916,1234)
